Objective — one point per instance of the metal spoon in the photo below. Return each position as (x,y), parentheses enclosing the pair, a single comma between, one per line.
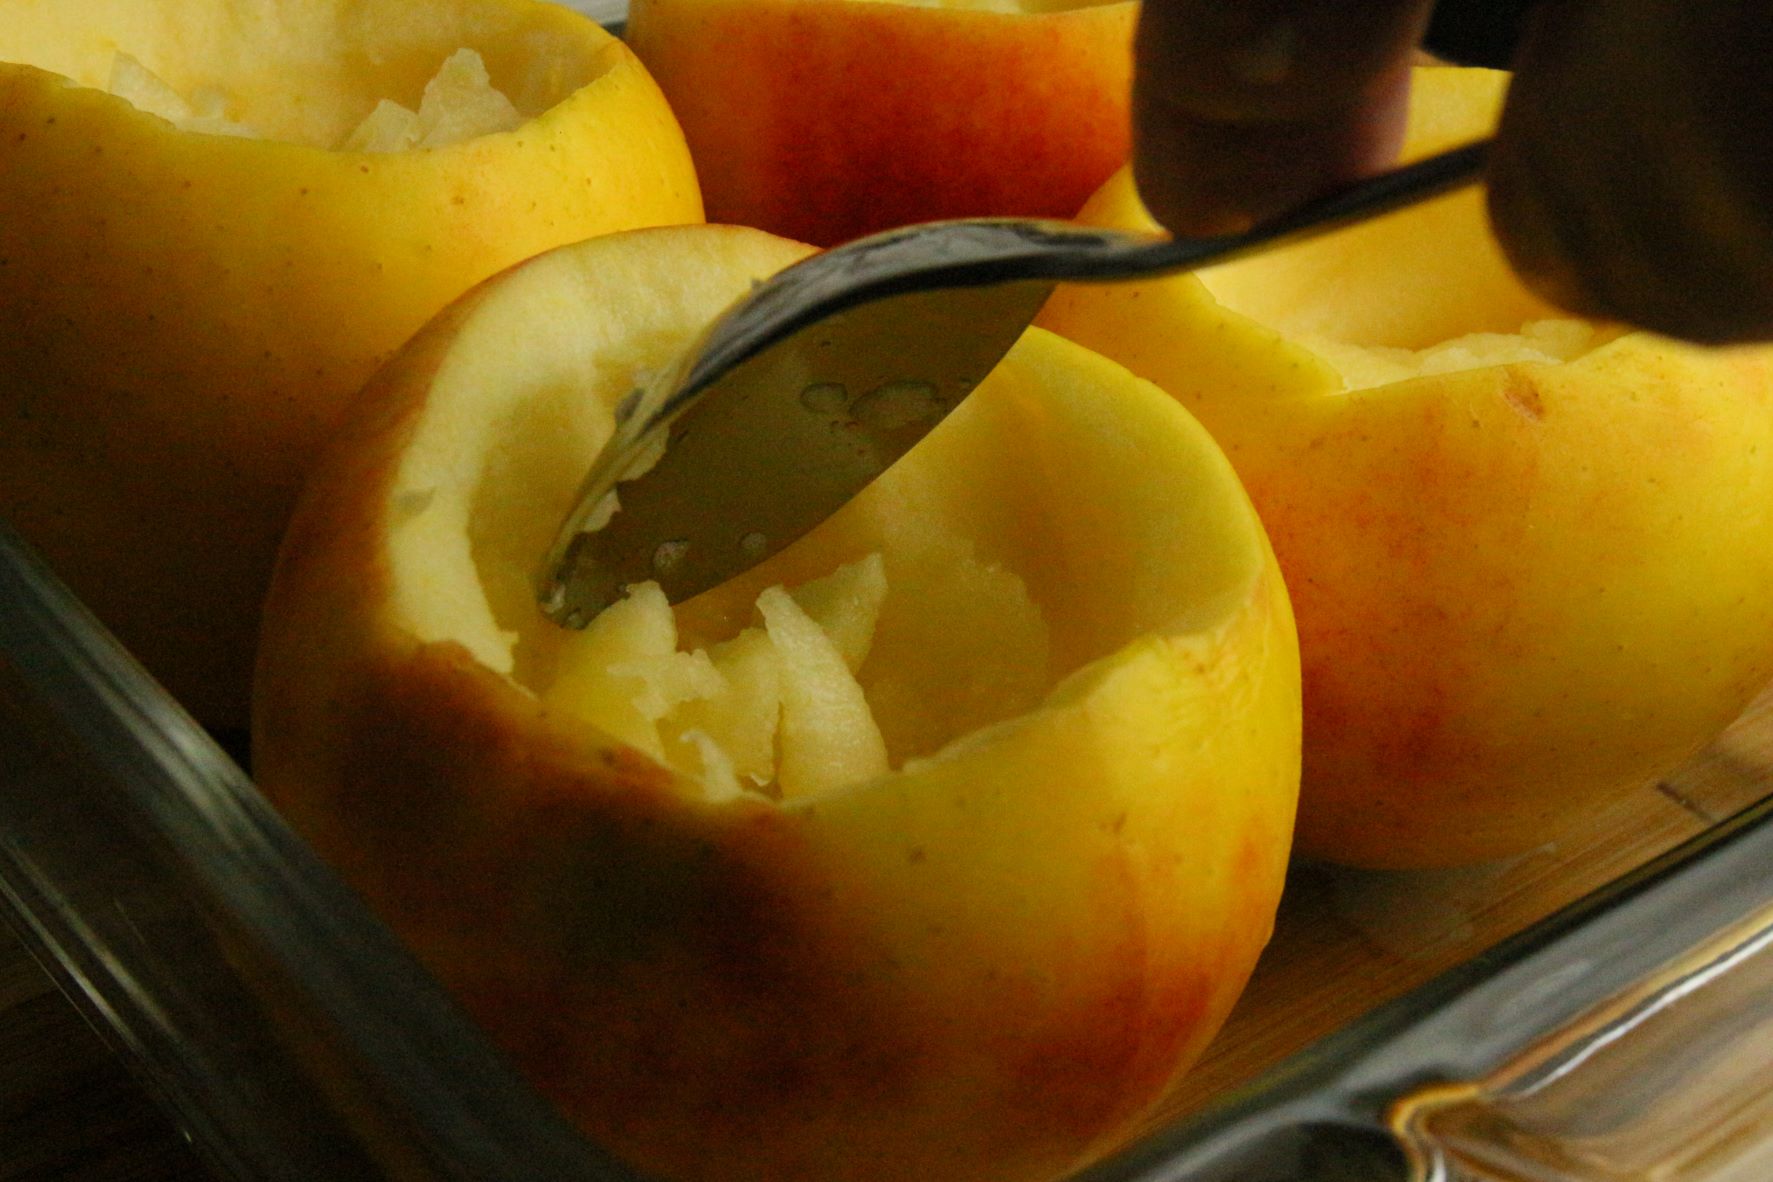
(812,384)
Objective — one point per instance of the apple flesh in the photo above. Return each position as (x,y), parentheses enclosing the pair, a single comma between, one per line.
(1007,859)
(1531,558)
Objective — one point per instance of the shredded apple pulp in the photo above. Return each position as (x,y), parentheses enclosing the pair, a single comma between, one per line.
(459,103)
(776,710)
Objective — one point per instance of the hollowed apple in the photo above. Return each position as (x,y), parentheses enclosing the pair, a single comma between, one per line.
(936,847)
(828,119)
(1532,557)
(190,293)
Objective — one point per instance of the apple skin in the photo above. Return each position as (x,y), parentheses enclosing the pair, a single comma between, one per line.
(824,122)
(184,317)
(1521,589)
(986,966)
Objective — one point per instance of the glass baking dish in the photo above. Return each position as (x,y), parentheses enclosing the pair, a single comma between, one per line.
(1595,1012)
(1628,1034)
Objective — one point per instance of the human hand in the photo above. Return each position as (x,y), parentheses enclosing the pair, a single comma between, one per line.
(1629,179)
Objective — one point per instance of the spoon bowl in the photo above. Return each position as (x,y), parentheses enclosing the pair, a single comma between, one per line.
(815,382)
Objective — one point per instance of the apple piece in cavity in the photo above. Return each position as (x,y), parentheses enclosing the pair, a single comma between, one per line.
(460,103)
(829,738)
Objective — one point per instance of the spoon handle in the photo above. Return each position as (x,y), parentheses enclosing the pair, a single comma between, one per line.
(1364,200)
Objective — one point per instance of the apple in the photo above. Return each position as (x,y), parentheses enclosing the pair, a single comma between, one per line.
(200,267)
(938,846)
(829,120)
(1531,556)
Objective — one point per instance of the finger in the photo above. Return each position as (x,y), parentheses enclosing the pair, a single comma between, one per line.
(1476,32)
(1630,179)
(1242,108)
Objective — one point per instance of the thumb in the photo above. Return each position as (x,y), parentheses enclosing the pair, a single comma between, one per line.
(1242,108)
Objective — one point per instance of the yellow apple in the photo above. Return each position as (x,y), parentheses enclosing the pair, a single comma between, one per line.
(824,120)
(198,271)
(1531,557)
(936,847)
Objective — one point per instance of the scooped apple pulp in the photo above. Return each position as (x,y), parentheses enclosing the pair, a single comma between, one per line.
(999,872)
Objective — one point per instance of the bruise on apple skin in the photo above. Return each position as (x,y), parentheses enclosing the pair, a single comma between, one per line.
(526,828)
(584,916)
(1522,393)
